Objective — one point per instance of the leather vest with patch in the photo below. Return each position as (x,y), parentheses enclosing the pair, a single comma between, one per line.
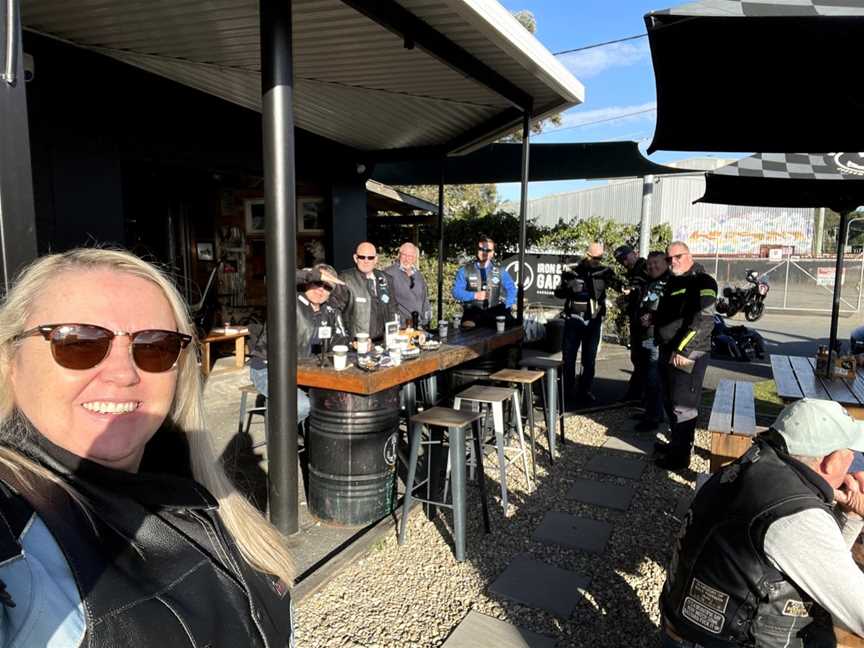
(474,283)
(308,321)
(365,312)
(721,590)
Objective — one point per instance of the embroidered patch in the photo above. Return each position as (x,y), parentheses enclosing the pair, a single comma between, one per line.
(700,615)
(797,608)
(496,280)
(708,596)
(360,300)
(280,587)
(385,299)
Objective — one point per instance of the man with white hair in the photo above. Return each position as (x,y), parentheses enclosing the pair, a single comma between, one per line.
(583,289)
(409,286)
(763,555)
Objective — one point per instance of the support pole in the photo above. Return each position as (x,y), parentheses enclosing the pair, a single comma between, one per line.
(838,279)
(277,87)
(17,215)
(820,232)
(441,241)
(645,221)
(523,213)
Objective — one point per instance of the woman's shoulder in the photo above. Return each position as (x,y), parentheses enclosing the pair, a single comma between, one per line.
(39,598)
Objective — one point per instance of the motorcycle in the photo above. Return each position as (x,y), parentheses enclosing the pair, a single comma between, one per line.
(750,299)
(735,342)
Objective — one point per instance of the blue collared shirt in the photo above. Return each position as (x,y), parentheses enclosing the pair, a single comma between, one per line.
(462,294)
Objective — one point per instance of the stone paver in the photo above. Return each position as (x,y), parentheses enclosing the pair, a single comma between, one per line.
(572,531)
(605,494)
(616,466)
(480,630)
(540,585)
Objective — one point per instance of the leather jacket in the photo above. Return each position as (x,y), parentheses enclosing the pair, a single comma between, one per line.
(309,322)
(362,310)
(685,318)
(153,564)
(583,289)
(474,283)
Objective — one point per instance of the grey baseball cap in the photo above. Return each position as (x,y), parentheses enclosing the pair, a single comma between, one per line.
(816,428)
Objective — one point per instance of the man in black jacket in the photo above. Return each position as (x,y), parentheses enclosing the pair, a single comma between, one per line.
(583,289)
(658,275)
(682,328)
(637,279)
(368,300)
(763,555)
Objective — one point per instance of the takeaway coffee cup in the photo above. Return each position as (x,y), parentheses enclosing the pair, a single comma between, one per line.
(362,343)
(499,323)
(396,356)
(457,322)
(442,329)
(340,357)
(401,342)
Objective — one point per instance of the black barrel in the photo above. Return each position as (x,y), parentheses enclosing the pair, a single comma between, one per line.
(554,335)
(352,456)
(477,371)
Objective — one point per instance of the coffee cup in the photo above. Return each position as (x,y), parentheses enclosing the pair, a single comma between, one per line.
(396,357)
(362,343)
(499,323)
(400,342)
(457,322)
(442,329)
(340,357)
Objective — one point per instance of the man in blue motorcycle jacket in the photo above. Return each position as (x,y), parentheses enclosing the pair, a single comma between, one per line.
(484,288)
(763,555)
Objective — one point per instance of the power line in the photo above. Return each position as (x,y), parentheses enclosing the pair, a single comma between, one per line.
(601,121)
(611,42)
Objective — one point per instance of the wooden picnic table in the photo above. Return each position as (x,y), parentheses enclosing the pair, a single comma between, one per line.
(796,378)
(238,336)
(457,349)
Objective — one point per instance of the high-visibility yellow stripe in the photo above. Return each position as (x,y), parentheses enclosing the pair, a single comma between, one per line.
(707,293)
(679,292)
(686,340)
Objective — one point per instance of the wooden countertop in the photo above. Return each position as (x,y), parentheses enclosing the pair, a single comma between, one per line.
(458,349)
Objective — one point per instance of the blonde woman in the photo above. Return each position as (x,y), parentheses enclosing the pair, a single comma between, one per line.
(97,356)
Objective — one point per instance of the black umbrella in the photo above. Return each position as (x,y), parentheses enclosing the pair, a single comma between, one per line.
(758,75)
(834,180)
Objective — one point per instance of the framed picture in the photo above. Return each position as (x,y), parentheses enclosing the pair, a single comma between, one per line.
(254,208)
(205,251)
(310,220)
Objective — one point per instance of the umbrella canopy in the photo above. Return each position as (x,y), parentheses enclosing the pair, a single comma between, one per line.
(758,75)
(835,180)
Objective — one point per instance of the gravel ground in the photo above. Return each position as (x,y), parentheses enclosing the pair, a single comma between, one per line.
(415,595)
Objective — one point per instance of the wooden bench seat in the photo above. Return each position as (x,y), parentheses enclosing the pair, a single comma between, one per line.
(733,421)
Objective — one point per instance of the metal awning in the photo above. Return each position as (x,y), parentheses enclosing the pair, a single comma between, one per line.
(502,163)
(388,74)
(382,198)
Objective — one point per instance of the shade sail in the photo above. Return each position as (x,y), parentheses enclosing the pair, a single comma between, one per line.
(789,180)
(502,163)
(758,75)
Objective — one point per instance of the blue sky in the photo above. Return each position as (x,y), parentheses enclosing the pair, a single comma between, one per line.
(618,79)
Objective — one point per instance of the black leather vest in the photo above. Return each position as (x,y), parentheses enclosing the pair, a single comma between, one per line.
(365,312)
(721,590)
(159,569)
(308,322)
(474,283)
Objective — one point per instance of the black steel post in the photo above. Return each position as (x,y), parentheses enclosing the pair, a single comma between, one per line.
(277,88)
(523,213)
(838,279)
(17,216)
(441,241)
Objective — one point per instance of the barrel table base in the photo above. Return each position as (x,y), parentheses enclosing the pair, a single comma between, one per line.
(352,456)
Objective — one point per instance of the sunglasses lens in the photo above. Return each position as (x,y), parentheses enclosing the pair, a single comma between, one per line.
(80,346)
(156,351)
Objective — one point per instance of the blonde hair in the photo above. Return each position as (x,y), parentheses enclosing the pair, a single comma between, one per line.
(261,545)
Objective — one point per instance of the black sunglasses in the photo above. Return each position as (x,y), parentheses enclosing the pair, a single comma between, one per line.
(411,282)
(364,257)
(676,256)
(321,284)
(485,249)
(83,346)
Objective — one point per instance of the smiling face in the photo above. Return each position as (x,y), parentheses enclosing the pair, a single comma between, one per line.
(407,255)
(656,266)
(72,408)
(680,260)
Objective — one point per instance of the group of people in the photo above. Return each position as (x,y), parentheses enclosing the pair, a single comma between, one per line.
(668,300)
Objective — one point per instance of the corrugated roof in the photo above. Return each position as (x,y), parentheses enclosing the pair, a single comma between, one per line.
(355,81)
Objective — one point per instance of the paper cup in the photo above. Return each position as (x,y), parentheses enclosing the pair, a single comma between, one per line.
(340,357)
(396,357)
(442,329)
(362,343)
(499,323)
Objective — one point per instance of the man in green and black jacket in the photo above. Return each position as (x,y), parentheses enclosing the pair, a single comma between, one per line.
(682,329)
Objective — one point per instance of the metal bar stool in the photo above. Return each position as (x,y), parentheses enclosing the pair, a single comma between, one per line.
(494,398)
(455,422)
(552,393)
(245,420)
(526,379)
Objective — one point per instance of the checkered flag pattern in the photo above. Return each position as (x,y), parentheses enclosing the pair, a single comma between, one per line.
(796,166)
(767,8)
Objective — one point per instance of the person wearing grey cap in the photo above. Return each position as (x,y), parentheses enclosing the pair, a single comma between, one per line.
(763,555)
